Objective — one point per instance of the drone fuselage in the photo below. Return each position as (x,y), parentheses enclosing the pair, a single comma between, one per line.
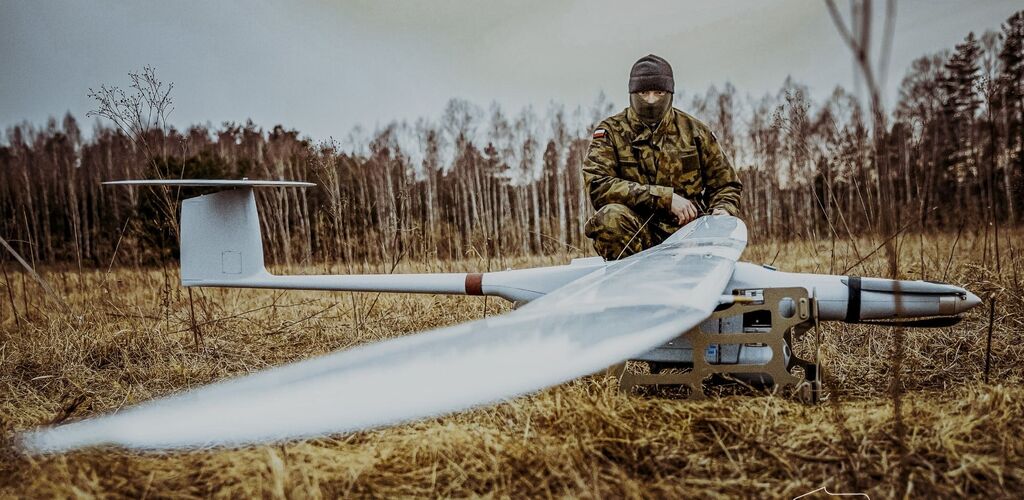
(221,246)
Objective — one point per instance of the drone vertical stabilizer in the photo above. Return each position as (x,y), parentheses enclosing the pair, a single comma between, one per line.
(220,232)
(220,238)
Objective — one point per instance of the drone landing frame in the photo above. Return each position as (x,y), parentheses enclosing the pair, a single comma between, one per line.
(791,311)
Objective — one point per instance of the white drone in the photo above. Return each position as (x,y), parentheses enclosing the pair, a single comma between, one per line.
(574,320)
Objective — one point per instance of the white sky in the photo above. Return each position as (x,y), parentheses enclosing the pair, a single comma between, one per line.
(323,67)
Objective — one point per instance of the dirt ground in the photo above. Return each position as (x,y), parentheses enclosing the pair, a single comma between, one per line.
(125,337)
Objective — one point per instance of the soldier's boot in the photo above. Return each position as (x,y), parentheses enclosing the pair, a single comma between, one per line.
(618,232)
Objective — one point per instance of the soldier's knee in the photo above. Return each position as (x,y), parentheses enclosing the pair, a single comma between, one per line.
(616,231)
(613,218)
(617,210)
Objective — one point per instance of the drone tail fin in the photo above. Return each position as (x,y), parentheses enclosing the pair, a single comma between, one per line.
(220,239)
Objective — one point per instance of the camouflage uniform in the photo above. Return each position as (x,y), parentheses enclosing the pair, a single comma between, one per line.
(632,171)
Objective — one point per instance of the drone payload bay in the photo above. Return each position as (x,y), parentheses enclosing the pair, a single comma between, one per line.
(687,295)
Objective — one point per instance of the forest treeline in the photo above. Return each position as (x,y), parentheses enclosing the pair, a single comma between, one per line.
(487,183)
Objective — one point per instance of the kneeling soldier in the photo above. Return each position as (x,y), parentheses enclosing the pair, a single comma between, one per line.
(652,168)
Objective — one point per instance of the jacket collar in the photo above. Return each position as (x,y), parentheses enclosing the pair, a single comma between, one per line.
(642,133)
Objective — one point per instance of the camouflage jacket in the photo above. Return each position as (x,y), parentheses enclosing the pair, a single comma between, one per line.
(629,164)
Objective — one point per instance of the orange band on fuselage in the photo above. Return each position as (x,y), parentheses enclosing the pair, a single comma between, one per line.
(474,284)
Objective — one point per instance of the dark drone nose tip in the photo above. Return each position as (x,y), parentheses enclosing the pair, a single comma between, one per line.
(969,302)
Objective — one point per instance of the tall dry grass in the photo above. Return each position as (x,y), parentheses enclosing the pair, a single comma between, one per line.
(129,338)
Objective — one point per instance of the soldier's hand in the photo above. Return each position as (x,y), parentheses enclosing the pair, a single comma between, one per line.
(684,210)
(719,211)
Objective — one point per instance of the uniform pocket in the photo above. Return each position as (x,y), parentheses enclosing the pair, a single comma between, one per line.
(689,160)
(680,169)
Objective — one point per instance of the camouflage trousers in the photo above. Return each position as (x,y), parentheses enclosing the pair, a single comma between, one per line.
(619,232)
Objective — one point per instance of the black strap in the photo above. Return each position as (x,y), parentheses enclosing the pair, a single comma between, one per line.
(700,169)
(853,300)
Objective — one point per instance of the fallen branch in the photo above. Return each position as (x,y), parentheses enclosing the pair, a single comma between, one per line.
(46,287)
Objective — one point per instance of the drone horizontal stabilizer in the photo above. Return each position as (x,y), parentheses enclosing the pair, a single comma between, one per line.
(615,313)
(225,183)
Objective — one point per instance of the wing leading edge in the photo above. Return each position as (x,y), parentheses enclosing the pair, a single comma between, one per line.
(612,314)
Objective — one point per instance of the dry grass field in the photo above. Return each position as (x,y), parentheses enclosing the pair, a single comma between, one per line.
(126,338)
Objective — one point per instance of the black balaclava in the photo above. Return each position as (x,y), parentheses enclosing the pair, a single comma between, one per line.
(650,114)
(651,73)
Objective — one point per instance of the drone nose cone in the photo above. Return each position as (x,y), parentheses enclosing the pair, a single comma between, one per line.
(969,302)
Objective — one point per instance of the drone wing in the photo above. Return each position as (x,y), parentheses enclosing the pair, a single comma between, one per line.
(612,314)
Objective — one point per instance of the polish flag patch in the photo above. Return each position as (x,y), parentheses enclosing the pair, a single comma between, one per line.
(600,133)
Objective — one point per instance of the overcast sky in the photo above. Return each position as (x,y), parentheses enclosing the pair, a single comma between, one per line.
(323,67)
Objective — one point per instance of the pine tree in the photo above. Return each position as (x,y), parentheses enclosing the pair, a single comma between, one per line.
(961,103)
(1011,81)
(961,81)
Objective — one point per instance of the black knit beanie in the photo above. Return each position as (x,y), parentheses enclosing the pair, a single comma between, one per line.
(651,73)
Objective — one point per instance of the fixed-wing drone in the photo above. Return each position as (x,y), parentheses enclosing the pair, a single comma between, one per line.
(687,295)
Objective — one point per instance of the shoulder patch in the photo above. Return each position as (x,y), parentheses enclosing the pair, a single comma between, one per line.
(599,133)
